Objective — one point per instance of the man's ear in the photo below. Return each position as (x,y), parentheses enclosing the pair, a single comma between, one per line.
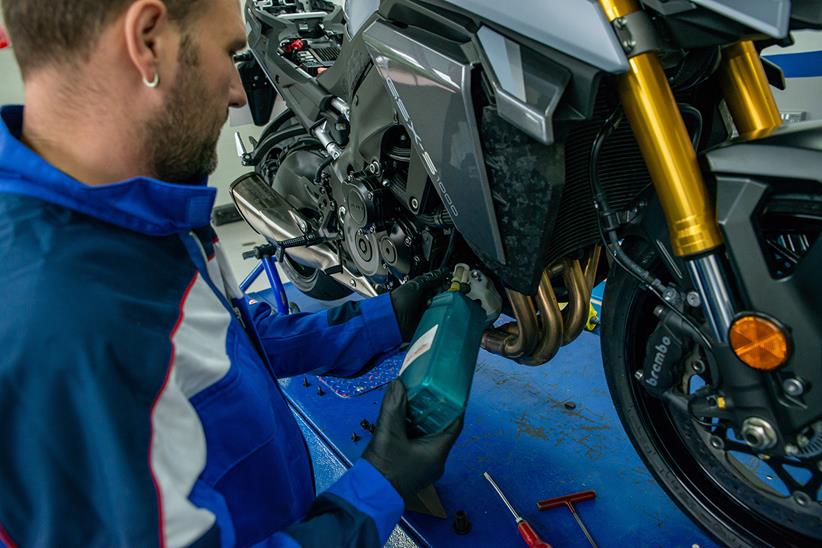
(146,28)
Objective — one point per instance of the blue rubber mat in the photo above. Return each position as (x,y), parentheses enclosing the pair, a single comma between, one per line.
(541,432)
(382,374)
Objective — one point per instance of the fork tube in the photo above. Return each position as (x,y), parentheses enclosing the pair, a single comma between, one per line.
(747,91)
(663,139)
(669,154)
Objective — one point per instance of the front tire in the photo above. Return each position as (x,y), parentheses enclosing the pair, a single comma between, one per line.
(669,442)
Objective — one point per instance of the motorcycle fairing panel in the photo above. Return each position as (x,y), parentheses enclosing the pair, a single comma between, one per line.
(432,89)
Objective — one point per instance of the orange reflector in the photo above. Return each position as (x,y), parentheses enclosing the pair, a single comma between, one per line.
(759,342)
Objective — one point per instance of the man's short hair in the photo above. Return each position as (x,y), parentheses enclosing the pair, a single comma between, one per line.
(48,32)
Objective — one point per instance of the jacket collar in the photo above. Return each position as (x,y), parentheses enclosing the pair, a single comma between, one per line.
(141,204)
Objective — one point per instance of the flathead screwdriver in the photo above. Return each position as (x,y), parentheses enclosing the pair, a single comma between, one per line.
(527,532)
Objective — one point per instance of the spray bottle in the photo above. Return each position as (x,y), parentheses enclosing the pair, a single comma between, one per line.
(439,366)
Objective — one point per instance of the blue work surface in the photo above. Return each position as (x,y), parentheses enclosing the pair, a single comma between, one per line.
(541,432)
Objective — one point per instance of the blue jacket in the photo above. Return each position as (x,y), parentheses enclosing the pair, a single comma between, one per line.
(138,396)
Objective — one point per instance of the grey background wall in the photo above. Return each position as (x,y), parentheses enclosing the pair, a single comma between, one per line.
(802,94)
(11,92)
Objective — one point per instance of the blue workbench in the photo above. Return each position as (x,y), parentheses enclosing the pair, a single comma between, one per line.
(518,428)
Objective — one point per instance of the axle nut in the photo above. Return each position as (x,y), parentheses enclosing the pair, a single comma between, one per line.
(758,433)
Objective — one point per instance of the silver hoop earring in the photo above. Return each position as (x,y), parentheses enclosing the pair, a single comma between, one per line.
(154,83)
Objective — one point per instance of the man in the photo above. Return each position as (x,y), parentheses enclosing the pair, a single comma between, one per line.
(138,400)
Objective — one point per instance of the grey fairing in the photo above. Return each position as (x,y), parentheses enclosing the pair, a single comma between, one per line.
(577,28)
(357,13)
(432,92)
(771,17)
(527,87)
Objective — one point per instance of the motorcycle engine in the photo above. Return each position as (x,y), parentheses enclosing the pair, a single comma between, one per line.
(380,244)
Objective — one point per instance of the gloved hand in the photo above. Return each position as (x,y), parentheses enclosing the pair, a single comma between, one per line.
(410,299)
(409,464)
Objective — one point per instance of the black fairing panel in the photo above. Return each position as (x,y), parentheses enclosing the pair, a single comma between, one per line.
(748,175)
(527,188)
(792,152)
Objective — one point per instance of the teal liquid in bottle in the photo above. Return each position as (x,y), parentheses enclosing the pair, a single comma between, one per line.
(439,366)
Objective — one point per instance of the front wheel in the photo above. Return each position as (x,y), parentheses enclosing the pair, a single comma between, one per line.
(736,497)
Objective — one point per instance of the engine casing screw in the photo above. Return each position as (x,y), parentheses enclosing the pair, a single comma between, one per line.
(717,443)
(693,299)
(355,437)
(793,386)
(415,203)
(671,295)
(638,375)
(698,366)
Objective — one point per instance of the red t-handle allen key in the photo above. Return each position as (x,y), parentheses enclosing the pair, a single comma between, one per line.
(568,501)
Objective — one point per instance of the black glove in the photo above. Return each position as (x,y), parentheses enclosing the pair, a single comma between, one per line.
(410,299)
(409,464)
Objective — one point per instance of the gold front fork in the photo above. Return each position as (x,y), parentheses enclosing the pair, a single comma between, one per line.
(747,91)
(663,139)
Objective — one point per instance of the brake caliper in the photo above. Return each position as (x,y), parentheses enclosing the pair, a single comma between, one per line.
(663,360)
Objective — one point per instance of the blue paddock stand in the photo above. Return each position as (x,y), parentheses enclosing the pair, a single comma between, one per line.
(268,264)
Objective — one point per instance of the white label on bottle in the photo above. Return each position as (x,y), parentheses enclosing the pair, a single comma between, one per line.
(419,348)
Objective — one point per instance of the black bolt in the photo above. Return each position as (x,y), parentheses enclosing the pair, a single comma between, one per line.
(462,525)
(305,382)
(355,437)
(570,405)
(320,391)
(365,424)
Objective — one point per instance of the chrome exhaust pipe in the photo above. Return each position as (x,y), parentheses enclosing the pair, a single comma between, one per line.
(270,215)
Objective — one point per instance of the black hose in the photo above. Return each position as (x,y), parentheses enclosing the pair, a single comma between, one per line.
(452,241)
(277,123)
(265,146)
(685,108)
(318,175)
(608,232)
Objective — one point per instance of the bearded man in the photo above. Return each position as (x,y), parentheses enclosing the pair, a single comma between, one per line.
(139,403)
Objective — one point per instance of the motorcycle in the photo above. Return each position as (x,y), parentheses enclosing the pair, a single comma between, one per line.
(555,147)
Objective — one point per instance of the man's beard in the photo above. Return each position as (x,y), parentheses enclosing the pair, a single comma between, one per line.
(181,142)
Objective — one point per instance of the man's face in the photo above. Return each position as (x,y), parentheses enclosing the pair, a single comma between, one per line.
(180,140)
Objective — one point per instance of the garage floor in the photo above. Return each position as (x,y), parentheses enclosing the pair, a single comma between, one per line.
(541,432)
